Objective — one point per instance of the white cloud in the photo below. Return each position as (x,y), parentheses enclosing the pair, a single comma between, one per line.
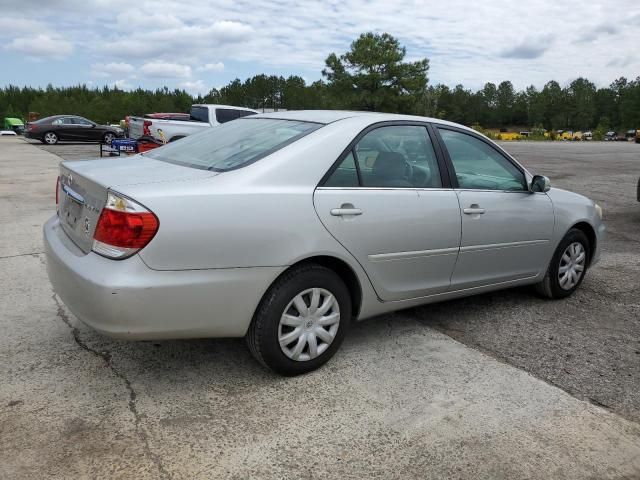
(113,68)
(122,84)
(195,87)
(17,25)
(41,46)
(165,70)
(187,41)
(211,67)
(132,18)
(466,42)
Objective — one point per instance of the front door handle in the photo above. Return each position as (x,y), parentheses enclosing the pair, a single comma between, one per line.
(340,212)
(474,210)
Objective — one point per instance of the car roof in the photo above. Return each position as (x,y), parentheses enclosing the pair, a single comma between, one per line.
(215,105)
(54,117)
(330,116)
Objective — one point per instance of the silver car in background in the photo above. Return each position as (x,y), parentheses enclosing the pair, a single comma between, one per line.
(284,228)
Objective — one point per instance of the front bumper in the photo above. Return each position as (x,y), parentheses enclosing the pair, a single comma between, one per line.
(127,299)
(601,234)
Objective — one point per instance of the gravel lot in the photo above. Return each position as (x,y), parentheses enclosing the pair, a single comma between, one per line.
(400,400)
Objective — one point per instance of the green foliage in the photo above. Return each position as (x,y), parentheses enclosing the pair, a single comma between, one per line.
(372,75)
(602,129)
(538,133)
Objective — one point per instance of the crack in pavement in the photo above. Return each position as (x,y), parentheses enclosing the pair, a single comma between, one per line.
(133,408)
(35,254)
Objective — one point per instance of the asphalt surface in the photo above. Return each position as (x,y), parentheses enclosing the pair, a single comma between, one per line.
(589,344)
(400,400)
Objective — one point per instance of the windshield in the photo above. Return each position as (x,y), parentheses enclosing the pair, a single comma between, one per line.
(233,144)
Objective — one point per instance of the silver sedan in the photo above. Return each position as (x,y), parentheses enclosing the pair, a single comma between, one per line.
(284,228)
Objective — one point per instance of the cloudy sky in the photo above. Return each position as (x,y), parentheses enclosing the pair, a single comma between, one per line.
(199,44)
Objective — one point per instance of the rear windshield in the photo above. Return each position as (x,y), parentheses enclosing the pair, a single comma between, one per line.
(233,144)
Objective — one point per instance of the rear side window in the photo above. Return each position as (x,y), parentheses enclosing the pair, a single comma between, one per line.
(245,113)
(346,175)
(234,144)
(200,114)
(63,121)
(224,115)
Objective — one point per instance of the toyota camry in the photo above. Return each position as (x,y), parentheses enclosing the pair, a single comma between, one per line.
(284,228)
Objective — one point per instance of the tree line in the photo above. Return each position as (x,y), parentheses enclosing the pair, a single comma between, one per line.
(373,75)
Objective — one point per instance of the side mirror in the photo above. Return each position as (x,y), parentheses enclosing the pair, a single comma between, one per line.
(540,183)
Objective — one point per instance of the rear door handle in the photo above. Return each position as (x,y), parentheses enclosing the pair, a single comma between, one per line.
(339,212)
(473,210)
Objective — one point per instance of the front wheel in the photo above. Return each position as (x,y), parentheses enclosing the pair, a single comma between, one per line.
(301,321)
(108,137)
(568,266)
(50,138)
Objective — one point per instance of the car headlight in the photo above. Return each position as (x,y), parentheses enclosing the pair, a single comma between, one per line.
(598,210)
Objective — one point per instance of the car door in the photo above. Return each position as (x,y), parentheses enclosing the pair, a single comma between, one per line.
(387,203)
(65,128)
(87,130)
(506,229)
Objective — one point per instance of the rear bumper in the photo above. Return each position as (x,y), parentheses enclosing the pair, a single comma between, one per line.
(127,299)
(33,135)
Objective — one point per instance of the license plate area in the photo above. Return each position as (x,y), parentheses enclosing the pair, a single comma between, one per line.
(71,211)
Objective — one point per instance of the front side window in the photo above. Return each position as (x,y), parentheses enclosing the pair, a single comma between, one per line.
(234,144)
(81,121)
(398,156)
(245,113)
(478,166)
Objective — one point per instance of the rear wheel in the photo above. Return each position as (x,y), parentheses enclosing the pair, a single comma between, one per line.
(568,266)
(301,321)
(50,138)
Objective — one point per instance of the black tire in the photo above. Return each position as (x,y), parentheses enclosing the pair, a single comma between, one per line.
(51,135)
(108,137)
(550,286)
(262,336)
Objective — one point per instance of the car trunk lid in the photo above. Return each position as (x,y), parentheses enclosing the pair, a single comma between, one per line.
(83,187)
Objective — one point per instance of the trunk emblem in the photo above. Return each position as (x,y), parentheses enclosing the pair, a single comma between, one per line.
(87,225)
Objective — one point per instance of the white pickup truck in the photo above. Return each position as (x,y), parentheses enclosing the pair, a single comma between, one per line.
(202,116)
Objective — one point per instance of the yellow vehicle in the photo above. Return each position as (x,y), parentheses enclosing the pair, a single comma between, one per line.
(565,135)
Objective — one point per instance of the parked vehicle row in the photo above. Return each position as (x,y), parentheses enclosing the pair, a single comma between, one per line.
(286,227)
(200,117)
(51,130)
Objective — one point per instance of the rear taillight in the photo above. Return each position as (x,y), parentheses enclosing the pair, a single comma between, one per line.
(57,191)
(124,227)
(145,127)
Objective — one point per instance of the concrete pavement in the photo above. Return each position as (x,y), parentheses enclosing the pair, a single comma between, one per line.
(400,400)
